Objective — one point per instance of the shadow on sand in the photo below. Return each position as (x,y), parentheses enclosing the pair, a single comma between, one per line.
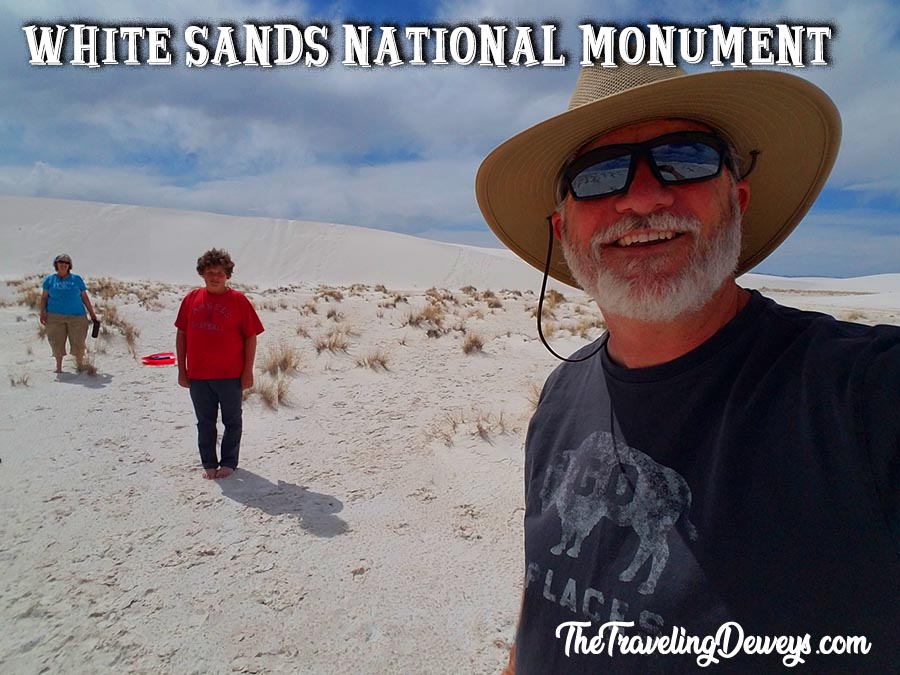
(90,381)
(314,511)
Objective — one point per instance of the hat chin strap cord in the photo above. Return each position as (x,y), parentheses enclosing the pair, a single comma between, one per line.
(540,311)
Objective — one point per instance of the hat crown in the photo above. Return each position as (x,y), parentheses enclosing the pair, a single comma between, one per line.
(597,82)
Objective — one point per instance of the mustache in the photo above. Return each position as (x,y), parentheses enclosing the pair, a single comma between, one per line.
(655,221)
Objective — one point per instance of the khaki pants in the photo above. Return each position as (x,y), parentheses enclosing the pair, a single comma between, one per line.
(62,326)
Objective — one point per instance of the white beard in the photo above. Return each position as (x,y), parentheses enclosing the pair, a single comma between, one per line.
(649,296)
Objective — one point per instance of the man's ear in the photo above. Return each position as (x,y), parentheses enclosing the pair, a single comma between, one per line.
(558,225)
(743,194)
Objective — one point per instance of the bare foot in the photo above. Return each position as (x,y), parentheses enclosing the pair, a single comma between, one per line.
(224,472)
(209,473)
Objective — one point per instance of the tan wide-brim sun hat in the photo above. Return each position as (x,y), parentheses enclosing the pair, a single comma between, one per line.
(793,124)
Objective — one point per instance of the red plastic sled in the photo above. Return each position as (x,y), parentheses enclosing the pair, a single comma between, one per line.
(160,359)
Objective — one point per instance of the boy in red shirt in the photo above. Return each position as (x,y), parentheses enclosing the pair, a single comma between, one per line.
(216,345)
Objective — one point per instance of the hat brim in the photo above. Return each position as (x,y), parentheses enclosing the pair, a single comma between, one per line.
(794,124)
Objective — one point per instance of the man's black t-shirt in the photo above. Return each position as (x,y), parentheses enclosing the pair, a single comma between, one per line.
(754,480)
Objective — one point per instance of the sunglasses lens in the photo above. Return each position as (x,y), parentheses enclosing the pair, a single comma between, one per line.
(683,161)
(602,177)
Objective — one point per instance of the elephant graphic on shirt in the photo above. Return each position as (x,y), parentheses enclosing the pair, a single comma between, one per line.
(578,485)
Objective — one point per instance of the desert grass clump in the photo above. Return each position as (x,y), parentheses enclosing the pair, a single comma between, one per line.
(439,295)
(549,328)
(309,308)
(88,366)
(583,327)
(471,291)
(473,343)
(358,289)
(486,425)
(444,428)
(30,297)
(281,358)
(106,288)
(335,315)
(494,302)
(268,392)
(336,340)
(381,288)
(110,316)
(302,331)
(19,381)
(328,293)
(478,423)
(533,395)
(554,298)
(377,359)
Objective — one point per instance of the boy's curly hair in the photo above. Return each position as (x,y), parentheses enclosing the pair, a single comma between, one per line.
(215,257)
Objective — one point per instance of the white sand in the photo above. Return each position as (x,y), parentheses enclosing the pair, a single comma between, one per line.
(375,524)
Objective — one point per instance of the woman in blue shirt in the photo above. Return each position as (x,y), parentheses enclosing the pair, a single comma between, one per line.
(62,311)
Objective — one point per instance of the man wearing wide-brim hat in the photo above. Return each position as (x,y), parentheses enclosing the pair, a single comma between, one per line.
(714,457)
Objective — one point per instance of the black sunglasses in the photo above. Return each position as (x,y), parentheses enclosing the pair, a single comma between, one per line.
(675,159)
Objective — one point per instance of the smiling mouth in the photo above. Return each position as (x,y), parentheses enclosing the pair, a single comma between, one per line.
(652,237)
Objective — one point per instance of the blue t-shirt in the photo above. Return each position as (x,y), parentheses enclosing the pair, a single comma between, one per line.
(65,294)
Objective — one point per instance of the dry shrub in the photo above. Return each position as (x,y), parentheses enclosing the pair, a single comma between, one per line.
(585,325)
(106,288)
(439,295)
(469,290)
(473,343)
(281,358)
(381,288)
(20,381)
(328,293)
(486,424)
(267,390)
(494,303)
(110,317)
(533,394)
(5,303)
(549,328)
(554,298)
(358,289)
(88,366)
(30,297)
(854,315)
(302,331)
(335,315)
(478,423)
(376,359)
(336,340)
(310,307)
(283,390)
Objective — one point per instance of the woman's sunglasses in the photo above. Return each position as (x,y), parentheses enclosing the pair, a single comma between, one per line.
(675,159)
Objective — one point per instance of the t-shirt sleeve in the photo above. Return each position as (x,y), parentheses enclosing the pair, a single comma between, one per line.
(79,283)
(881,419)
(181,321)
(250,323)
(46,284)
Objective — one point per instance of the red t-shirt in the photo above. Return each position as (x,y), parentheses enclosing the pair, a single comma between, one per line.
(216,326)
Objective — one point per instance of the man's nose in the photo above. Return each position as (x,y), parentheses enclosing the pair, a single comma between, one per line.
(646,194)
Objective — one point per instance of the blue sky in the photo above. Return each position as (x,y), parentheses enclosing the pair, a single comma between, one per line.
(398,148)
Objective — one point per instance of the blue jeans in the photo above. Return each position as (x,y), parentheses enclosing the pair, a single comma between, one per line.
(207,396)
